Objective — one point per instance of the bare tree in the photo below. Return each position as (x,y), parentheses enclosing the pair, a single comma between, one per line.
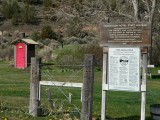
(131,9)
(135,6)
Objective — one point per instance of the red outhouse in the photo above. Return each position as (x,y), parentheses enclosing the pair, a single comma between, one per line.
(23,51)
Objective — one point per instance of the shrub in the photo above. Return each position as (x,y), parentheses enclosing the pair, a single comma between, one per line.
(6,54)
(75,40)
(45,53)
(70,57)
(47,32)
(59,38)
(45,41)
(47,4)
(75,56)
(36,36)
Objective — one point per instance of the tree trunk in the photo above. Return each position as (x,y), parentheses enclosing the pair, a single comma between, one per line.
(152,11)
(135,7)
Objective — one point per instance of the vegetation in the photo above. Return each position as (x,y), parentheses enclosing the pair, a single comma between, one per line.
(47,3)
(12,10)
(47,32)
(28,14)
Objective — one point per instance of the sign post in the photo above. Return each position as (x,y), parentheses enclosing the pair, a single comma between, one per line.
(104,83)
(122,44)
(143,86)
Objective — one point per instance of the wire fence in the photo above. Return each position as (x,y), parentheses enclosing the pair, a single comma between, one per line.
(59,102)
(58,99)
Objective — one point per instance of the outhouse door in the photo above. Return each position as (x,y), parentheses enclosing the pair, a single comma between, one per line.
(20,55)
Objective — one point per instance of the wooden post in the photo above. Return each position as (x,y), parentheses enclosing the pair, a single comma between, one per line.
(70,98)
(87,91)
(50,100)
(35,77)
(143,86)
(104,82)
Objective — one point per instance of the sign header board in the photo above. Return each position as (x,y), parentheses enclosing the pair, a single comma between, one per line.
(125,34)
(124,69)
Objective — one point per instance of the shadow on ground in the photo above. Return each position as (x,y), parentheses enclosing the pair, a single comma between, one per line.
(155,76)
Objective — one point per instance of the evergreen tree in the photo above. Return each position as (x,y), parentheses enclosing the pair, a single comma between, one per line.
(15,7)
(47,32)
(15,18)
(16,10)
(28,14)
(7,9)
(47,3)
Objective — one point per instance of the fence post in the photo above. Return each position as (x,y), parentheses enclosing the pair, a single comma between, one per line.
(87,91)
(35,77)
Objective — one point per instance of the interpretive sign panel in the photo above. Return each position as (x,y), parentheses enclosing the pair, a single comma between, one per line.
(124,69)
(125,34)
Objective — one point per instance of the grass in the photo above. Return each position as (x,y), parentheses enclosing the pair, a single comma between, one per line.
(14,95)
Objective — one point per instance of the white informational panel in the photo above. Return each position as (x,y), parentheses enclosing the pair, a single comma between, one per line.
(124,69)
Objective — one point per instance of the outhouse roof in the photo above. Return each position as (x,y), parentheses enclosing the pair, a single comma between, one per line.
(25,40)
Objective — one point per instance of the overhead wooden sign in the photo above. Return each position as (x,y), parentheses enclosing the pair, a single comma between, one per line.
(125,34)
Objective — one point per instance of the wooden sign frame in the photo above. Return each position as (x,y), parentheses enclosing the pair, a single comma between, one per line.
(125,34)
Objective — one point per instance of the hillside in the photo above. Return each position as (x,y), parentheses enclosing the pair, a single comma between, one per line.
(58,17)
(72,22)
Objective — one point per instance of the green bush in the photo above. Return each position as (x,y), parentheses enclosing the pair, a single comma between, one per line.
(47,4)
(69,57)
(36,36)
(76,55)
(47,32)
(45,53)
(6,54)
(75,40)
